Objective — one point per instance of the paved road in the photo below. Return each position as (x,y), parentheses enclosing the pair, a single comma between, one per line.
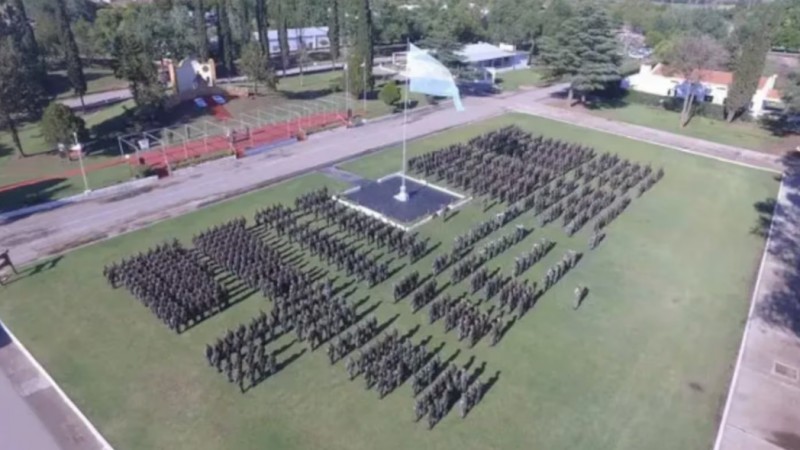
(47,233)
(102,98)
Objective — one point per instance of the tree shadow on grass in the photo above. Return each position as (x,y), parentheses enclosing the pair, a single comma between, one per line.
(31,194)
(781,305)
(58,83)
(311,94)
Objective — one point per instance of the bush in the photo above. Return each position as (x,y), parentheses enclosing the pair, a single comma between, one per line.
(390,94)
(59,123)
(674,104)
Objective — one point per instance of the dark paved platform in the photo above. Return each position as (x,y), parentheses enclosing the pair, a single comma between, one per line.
(423,200)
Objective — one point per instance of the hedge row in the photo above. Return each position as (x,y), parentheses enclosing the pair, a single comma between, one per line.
(674,104)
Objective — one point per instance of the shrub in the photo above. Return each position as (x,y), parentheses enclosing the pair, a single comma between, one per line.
(59,123)
(390,94)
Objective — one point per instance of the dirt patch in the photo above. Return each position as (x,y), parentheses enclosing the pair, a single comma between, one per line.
(13,240)
(127,195)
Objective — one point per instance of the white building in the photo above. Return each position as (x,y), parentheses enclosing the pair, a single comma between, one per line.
(659,80)
(311,38)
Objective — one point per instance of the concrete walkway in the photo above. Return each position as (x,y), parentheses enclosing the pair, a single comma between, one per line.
(663,138)
(763,407)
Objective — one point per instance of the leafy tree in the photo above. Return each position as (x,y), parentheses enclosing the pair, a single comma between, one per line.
(84,37)
(749,63)
(133,63)
(556,13)
(255,66)
(59,123)
(517,22)
(200,28)
(225,37)
(163,34)
(390,94)
(688,56)
(787,34)
(334,36)
(105,29)
(20,93)
(71,55)
(791,93)
(584,51)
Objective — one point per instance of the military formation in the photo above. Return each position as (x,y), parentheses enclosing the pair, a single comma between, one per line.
(387,363)
(405,285)
(424,295)
(528,258)
(172,282)
(351,340)
(455,384)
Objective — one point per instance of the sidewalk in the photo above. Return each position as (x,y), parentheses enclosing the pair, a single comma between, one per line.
(763,407)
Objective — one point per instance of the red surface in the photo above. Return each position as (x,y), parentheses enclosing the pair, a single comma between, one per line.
(156,157)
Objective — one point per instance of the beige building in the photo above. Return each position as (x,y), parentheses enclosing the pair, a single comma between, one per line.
(659,80)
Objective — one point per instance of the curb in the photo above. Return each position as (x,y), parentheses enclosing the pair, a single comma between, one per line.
(98,437)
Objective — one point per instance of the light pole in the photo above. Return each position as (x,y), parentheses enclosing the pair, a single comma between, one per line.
(79,148)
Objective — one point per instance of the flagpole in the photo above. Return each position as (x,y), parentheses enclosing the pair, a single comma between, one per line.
(403,194)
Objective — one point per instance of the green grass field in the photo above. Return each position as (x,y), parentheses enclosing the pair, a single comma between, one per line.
(643,364)
(516,79)
(739,134)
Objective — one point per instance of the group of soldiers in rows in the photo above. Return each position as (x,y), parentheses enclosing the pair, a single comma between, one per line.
(241,252)
(517,296)
(171,281)
(424,295)
(559,269)
(405,285)
(486,163)
(453,385)
(470,321)
(387,363)
(528,258)
(352,340)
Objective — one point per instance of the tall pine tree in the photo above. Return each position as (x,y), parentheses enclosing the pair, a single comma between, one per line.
(21,95)
(200,25)
(26,40)
(334,34)
(72,57)
(284,13)
(756,39)
(225,37)
(584,51)
(362,58)
(262,25)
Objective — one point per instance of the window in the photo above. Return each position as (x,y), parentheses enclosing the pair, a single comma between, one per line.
(324,42)
(276,48)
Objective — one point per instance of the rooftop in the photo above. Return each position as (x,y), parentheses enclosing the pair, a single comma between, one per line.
(483,51)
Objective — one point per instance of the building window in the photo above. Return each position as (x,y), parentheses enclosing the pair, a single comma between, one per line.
(276,48)
(324,42)
(708,98)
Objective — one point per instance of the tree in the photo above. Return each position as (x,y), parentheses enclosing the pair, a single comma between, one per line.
(688,56)
(390,94)
(516,22)
(787,35)
(200,28)
(17,19)
(20,93)
(334,36)
(255,66)
(262,26)
(59,125)
(363,53)
(133,63)
(284,13)
(84,37)
(225,37)
(791,94)
(750,62)
(71,55)
(584,51)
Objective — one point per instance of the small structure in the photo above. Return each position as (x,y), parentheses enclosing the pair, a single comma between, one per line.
(309,38)
(491,59)
(377,199)
(189,75)
(713,87)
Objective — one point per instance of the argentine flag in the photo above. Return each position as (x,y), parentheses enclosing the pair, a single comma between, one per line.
(429,76)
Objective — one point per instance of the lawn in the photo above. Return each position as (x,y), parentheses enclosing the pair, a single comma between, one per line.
(739,134)
(98,79)
(643,364)
(516,79)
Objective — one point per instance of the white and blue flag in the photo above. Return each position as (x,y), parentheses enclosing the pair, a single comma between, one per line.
(429,76)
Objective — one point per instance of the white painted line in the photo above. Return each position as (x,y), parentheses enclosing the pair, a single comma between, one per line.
(747,327)
(99,437)
(532,112)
